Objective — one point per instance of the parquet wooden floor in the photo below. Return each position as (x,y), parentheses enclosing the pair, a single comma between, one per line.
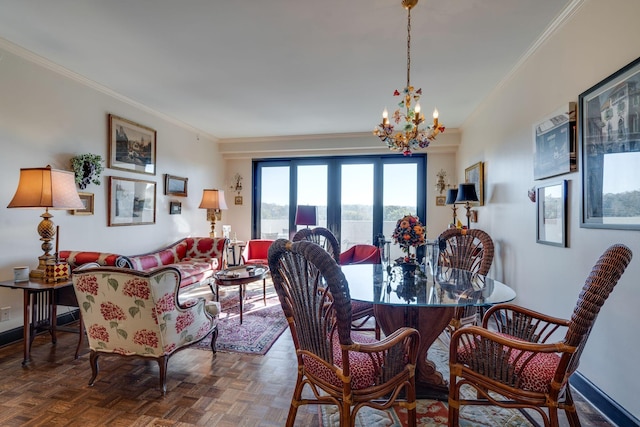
(223,390)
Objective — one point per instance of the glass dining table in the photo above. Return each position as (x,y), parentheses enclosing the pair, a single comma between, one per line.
(425,299)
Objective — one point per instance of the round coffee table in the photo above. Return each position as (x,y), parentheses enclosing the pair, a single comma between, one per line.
(239,276)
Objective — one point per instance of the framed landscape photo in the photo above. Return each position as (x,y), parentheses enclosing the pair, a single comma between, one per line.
(475,174)
(87,201)
(132,147)
(175,185)
(131,201)
(551,201)
(609,133)
(555,143)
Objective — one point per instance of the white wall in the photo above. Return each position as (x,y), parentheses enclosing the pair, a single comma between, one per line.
(599,38)
(238,155)
(45,119)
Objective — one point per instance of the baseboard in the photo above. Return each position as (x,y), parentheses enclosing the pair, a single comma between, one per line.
(16,334)
(616,413)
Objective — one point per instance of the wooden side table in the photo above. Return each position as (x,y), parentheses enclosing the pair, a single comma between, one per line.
(240,276)
(40,301)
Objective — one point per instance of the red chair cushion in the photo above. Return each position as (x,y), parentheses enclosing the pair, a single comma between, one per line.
(363,373)
(536,376)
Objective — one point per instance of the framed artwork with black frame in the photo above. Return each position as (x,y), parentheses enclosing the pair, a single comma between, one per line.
(131,201)
(555,143)
(175,185)
(132,146)
(551,200)
(609,133)
(175,208)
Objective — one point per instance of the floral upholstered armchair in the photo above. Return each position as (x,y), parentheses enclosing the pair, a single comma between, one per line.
(133,313)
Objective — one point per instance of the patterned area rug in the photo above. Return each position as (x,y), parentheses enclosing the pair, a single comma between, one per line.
(431,413)
(261,325)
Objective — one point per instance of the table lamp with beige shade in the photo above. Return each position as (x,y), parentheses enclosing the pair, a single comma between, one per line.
(49,189)
(213,201)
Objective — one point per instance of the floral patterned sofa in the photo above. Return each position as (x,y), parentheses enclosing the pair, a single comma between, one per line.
(134,313)
(196,258)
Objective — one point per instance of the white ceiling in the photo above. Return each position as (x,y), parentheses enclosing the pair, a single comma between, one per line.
(262,68)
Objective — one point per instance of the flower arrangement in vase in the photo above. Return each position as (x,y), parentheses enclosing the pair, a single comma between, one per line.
(409,233)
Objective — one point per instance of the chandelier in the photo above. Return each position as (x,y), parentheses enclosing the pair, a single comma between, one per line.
(409,136)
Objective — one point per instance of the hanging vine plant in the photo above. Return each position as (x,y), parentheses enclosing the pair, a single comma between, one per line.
(87,169)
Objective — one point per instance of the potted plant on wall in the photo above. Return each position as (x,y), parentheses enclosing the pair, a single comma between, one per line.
(87,169)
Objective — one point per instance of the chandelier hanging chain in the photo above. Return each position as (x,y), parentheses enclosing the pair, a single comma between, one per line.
(408,46)
(410,135)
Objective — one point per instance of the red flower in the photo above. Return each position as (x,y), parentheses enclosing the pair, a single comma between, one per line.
(163,305)
(146,338)
(136,288)
(88,284)
(98,332)
(184,320)
(110,311)
(396,93)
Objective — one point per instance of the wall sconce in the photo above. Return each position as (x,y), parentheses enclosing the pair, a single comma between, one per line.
(213,201)
(237,186)
(441,185)
(49,189)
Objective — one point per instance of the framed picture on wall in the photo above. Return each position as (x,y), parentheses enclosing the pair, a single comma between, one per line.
(175,185)
(609,133)
(132,147)
(175,208)
(475,174)
(551,201)
(555,143)
(87,201)
(131,201)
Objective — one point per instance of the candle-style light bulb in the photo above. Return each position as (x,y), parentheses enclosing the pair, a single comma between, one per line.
(385,117)
(435,117)
(417,109)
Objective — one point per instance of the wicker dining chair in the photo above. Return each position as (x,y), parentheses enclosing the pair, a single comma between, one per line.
(361,311)
(470,250)
(518,366)
(321,236)
(339,366)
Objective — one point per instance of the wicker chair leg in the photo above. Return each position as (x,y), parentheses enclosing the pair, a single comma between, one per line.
(295,401)
(454,402)
(570,409)
(411,400)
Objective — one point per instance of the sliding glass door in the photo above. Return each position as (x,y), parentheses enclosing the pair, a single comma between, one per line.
(357,198)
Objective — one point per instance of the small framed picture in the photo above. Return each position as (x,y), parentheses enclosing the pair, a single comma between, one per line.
(552,214)
(473,217)
(175,185)
(175,208)
(87,201)
(555,143)
(440,200)
(238,200)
